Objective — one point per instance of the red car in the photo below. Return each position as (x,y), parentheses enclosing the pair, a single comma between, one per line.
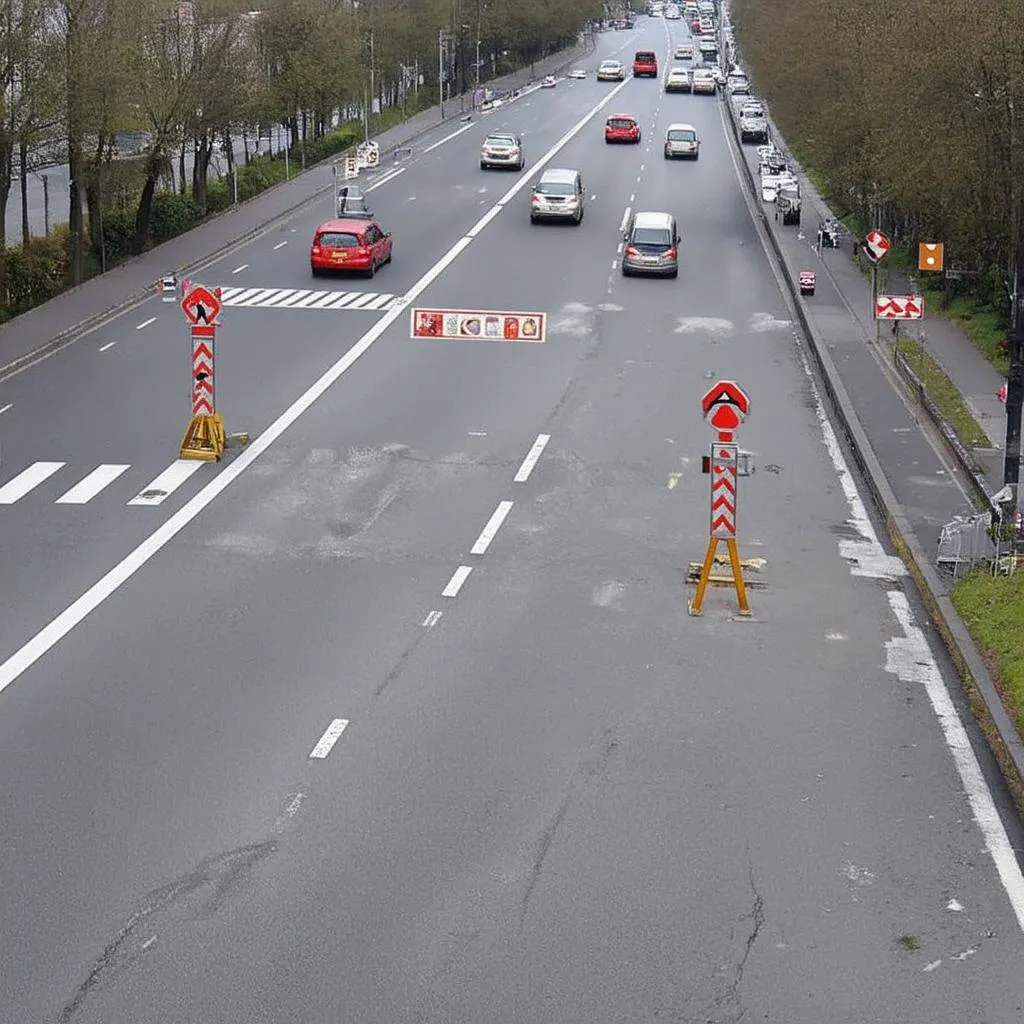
(621,128)
(645,62)
(350,245)
(695,25)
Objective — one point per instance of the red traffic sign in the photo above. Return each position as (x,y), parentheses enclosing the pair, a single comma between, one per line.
(899,307)
(726,393)
(201,306)
(876,245)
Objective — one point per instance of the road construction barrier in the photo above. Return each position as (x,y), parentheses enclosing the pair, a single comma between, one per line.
(205,436)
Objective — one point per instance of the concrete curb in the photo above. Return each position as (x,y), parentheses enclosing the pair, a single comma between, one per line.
(69,335)
(983,696)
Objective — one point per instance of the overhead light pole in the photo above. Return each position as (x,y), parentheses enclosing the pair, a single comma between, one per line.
(1014,342)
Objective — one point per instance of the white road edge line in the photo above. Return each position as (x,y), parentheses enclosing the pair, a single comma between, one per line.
(454,585)
(280,244)
(331,736)
(448,138)
(490,531)
(58,628)
(625,218)
(532,457)
(145,323)
(109,344)
(387,177)
(979,796)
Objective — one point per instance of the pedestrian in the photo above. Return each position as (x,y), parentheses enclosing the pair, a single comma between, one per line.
(1002,392)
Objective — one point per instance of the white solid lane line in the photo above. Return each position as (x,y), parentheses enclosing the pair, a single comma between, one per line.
(625,218)
(454,585)
(532,457)
(387,177)
(109,344)
(331,736)
(88,487)
(26,480)
(448,138)
(79,609)
(490,531)
(145,323)
(166,483)
(280,245)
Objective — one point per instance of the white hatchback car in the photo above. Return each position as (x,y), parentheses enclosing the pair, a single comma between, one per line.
(611,71)
(681,140)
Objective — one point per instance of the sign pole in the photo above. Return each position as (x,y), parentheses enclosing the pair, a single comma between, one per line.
(204,437)
(725,407)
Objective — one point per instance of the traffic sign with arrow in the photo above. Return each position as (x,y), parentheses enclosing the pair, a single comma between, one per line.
(876,245)
(726,392)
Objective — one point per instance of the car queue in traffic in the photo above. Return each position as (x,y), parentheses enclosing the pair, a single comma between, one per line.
(355,242)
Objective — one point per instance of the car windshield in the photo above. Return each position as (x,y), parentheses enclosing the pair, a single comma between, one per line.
(652,236)
(681,135)
(339,240)
(499,140)
(621,122)
(555,188)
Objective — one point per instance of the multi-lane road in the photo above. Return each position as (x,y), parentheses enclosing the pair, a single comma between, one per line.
(397,714)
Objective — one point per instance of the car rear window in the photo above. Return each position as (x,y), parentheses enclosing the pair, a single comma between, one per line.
(645,57)
(499,140)
(682,136)
(555,188)
(652,236)
(339,240)
(621,122)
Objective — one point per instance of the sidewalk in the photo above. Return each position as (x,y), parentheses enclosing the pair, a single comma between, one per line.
(973,375)
(61,320)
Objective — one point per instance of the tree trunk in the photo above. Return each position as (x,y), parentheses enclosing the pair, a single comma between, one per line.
(76,161)
(201,163)
(26,233)
(229,149)
(144,213)
(93,198)
(181,168)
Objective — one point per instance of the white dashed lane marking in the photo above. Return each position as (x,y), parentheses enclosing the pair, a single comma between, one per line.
(532,457)
(459,577)
(490,531)
(331,736)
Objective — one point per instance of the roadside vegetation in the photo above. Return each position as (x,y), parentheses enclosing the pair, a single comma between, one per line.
(903,112)
(149,101)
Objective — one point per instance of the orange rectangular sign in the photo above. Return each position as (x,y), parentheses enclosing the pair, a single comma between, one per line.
(929,256)
(477,325)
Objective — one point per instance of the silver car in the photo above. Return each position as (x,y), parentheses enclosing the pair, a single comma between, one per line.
(502,150)
(651,245)
(681,140)
(559,195)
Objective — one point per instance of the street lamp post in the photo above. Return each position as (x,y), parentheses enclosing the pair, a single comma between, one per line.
(440,70)
(1015,342)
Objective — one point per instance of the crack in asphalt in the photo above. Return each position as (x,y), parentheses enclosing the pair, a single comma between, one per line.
(547,837)
(217,876)
(756,917)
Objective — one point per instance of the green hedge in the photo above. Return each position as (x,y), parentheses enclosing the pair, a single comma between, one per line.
(33,274)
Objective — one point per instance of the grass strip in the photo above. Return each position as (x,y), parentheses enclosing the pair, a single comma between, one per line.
(943,392)
(992,608)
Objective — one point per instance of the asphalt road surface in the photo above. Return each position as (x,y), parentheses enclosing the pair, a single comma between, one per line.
(397,714)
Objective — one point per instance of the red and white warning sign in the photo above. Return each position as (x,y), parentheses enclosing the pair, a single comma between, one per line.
(201,305)
(899,307)
(724,459)
(876,245)
(204,402)
(477,325)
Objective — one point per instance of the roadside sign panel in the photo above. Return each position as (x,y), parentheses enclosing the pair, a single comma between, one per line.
(725,392)
(930,256)
(876,245)
(899,307)
(723,490)
(477,325)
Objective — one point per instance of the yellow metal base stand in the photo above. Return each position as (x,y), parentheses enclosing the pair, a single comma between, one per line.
(696,606)
(204,439)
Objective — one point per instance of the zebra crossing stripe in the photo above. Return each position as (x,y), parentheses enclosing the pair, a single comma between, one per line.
(26,480)
(290,300)
(304,298)
(362,301)
(89,486)
(167,482)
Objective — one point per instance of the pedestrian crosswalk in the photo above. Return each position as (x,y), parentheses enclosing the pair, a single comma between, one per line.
(67,486)
(300,298)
